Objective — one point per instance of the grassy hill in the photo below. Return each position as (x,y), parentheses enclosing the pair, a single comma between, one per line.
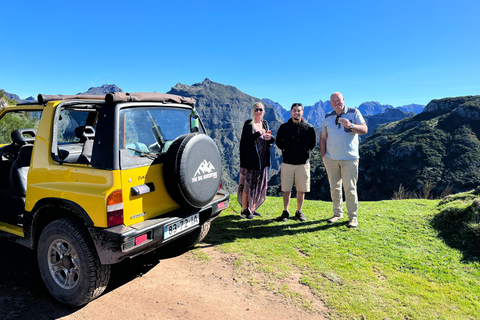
(409,259)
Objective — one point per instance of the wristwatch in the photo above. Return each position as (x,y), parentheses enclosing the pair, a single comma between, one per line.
(351,126)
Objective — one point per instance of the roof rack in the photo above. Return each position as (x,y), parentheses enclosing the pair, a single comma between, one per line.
(44,98)
(116,97)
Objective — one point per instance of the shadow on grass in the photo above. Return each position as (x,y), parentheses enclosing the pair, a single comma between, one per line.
(460,229)
(228,228)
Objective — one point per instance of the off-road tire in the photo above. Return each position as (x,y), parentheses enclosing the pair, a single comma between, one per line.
(192,170)
(88,277)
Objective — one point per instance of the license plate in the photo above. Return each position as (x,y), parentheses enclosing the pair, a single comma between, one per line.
(173,229)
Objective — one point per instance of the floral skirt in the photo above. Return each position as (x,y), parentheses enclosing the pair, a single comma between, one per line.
(254,183)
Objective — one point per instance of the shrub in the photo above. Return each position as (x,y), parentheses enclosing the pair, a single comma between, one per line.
(458,222)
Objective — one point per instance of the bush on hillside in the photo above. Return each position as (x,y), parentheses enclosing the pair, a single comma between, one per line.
(458,223)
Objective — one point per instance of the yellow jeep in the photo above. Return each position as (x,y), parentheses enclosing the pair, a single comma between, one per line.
(87,181)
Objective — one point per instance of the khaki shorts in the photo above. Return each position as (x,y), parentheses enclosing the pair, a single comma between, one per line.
(300,173)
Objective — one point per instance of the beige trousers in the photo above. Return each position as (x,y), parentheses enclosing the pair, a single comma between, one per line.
(343,172)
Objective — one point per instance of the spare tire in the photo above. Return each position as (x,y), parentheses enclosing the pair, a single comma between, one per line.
(192,170)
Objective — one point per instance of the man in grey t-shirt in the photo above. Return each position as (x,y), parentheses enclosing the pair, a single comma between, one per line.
(339,151)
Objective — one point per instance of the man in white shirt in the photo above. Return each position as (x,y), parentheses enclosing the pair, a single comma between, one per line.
(339,151)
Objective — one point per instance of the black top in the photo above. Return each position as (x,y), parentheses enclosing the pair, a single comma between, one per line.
(250,158)
(296,140)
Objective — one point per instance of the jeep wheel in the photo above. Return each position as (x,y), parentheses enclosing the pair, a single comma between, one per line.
(189,240)
(192,170)
(69,266)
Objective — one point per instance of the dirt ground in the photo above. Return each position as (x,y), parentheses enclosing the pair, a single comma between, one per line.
(155,286)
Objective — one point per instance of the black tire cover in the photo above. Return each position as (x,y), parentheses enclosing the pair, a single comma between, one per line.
(192,170)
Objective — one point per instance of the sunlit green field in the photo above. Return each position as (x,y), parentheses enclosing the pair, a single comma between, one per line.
(396,265)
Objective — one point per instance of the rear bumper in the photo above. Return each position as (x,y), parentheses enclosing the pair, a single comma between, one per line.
(119,242)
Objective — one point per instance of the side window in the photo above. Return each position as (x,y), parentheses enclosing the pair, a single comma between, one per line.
(74,135)
(68,122)
(17,120)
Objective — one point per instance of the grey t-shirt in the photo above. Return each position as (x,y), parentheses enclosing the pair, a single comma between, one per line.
(342,143)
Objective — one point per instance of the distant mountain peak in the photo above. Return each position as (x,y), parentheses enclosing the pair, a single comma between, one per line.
(102,90)
(372,107)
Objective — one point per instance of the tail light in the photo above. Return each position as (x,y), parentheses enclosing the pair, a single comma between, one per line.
(115,208)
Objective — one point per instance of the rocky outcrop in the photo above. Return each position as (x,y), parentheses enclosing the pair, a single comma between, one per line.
(3,103)
(441,106)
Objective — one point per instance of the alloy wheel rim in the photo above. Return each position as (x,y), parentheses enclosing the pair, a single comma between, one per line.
(63,264)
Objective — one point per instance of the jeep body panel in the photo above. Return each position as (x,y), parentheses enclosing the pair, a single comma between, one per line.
(148,204)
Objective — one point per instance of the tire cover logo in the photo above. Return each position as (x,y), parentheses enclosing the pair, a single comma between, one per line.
(205,171)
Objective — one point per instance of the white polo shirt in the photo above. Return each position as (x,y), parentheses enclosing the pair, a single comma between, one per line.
(342,143)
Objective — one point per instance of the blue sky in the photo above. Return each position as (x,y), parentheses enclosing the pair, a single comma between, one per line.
(393,52)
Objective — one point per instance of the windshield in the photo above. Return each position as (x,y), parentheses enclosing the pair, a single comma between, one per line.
(147,131)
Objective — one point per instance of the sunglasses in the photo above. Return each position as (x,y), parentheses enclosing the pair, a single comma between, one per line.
(259,110)
(336,119)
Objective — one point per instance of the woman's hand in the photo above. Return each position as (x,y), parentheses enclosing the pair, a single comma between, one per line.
(268,135)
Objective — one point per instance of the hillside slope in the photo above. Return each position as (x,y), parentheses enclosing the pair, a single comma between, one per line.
(438,148)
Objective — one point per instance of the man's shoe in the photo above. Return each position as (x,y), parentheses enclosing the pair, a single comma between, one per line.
(334,219)
(256,213)
(353,223)
(300,216)
(284,217)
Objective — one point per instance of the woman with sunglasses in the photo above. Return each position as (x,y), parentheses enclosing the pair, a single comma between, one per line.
(255,146)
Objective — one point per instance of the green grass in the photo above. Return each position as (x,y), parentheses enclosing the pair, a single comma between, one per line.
(396,265)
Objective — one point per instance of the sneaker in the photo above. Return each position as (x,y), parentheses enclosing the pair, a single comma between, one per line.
(246,214)
(256,213)
(243,214)
(353,223)
(334,219)
(300,216)
(284,217)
